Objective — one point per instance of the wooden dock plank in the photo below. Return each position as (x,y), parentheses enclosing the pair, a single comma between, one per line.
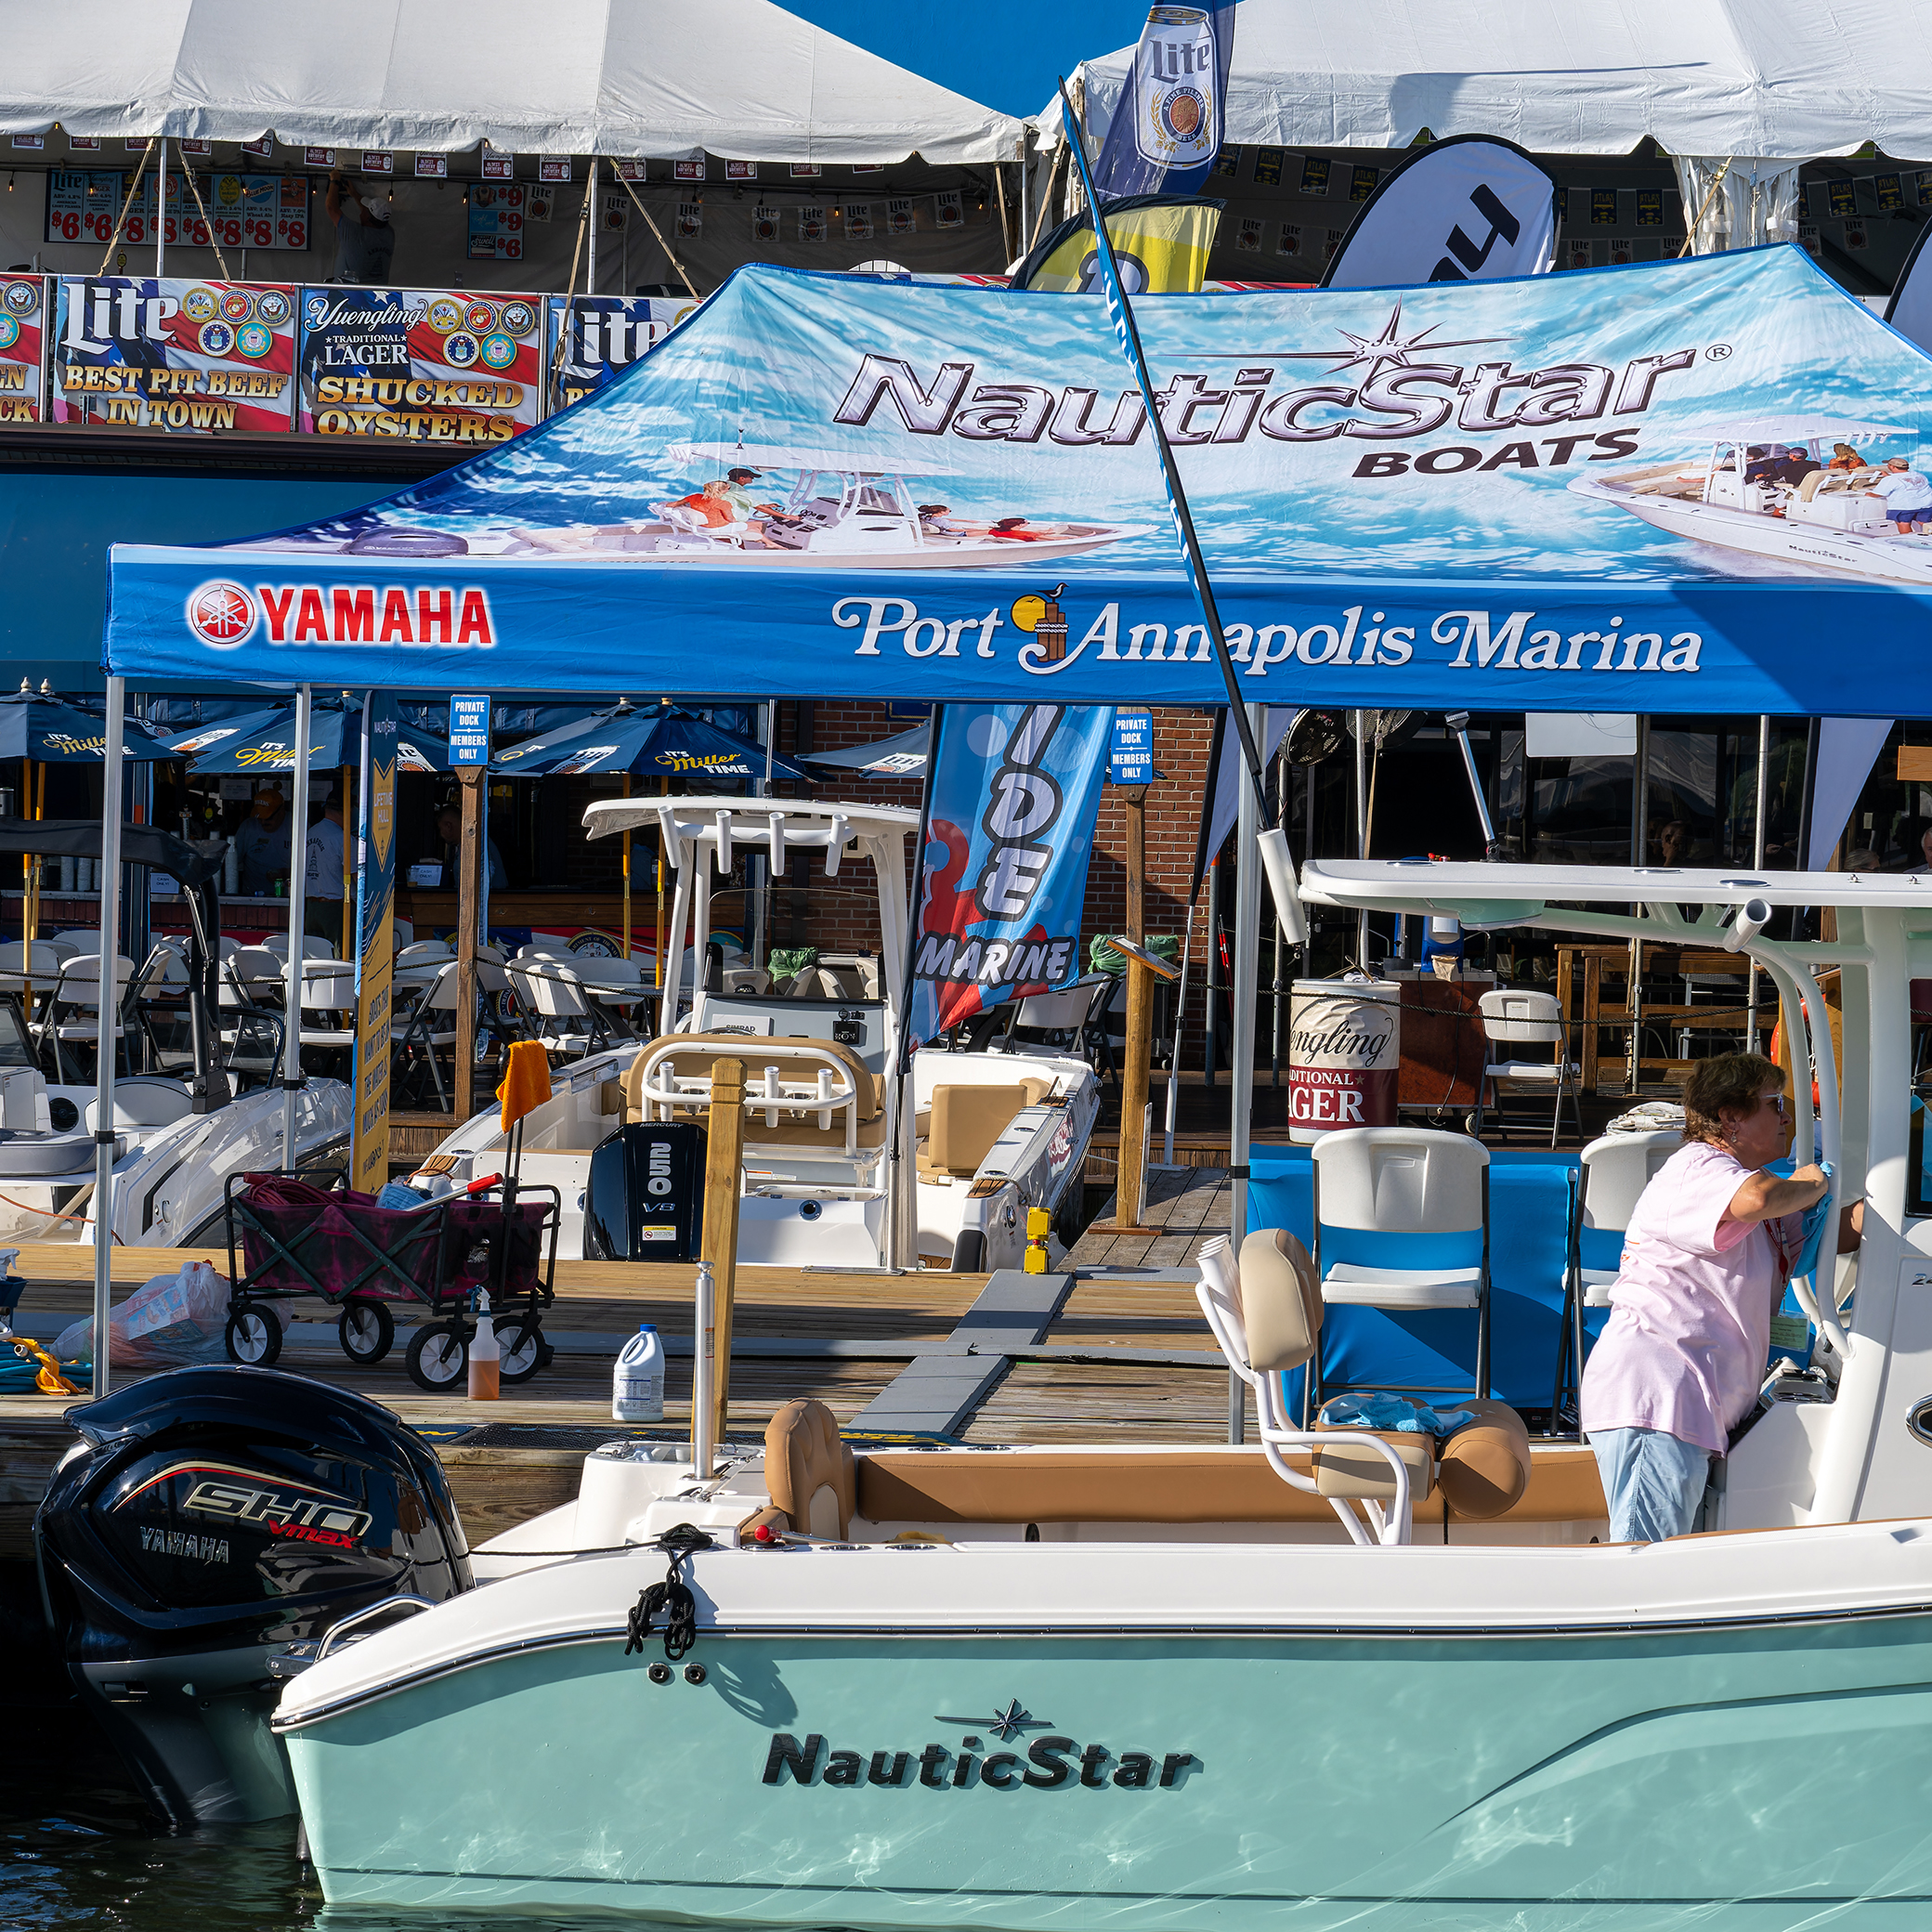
(1186,1207)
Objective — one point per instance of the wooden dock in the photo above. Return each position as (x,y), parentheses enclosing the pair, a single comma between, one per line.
(1187,1204)
(1120,1357)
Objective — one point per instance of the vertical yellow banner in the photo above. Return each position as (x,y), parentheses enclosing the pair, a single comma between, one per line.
(375,932)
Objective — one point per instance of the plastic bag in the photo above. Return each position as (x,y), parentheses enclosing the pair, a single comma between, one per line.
(172,1321)
(1811,1230)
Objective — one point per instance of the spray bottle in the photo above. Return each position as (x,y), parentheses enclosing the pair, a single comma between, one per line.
(486,1356)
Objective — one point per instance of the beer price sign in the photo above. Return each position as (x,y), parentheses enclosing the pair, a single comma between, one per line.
(242,210)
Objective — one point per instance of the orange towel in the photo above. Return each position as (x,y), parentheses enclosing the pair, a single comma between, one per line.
(526,1084)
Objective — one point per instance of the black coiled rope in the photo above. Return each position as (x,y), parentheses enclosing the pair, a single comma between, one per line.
(673,1597)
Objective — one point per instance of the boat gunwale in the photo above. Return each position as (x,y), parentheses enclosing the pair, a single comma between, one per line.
(283,1725)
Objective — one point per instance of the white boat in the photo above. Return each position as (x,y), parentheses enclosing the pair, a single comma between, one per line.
(836,512)
(176,1140)
(1214,1687)
(1829,521)
(847,1165)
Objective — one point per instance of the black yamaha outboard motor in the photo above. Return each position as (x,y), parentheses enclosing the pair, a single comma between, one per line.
(207,1518)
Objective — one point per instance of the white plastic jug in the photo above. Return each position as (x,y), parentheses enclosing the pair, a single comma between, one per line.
(638,1380)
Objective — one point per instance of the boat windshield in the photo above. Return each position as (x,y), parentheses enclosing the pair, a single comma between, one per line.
(14,1049)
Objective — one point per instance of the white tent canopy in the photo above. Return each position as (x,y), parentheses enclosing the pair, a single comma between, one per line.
(1773,78)
(742,79)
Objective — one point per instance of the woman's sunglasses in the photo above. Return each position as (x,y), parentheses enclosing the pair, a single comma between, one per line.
(1777,1102)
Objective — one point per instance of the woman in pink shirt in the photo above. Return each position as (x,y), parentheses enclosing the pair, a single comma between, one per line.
(1709,1247)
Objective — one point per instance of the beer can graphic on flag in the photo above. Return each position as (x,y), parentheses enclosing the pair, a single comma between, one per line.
(1344,1055)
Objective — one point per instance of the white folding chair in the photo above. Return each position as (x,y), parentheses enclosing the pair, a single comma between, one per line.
(556,1007)
(313,947)
(328,1006)
(1515,1017)
(249,995)
(71,1015)
(1371,1183)
(1613,1175)
(29,969)
(431,1031)
(155,1003)
(1266,1314)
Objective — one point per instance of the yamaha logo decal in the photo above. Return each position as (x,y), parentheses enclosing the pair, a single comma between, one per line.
(221,614)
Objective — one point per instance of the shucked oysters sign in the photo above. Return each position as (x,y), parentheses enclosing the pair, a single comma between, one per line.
(1003,866)
(1589,491)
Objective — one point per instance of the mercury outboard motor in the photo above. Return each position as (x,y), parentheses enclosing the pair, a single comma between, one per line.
(206,1519)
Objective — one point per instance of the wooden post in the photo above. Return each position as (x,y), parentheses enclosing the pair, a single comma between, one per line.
(1135,797)
(627,876)
(1143,970)
(469,852)
(724,1147)
(1133,1100)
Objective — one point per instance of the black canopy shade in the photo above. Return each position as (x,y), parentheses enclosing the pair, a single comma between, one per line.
(140,846)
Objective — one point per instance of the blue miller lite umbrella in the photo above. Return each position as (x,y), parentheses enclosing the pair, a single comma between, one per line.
(263,743)
(42,726)
(658,741)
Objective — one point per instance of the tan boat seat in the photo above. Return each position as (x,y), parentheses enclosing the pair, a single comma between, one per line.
(1483,1469)
(964,1122)
(1195,1486)
(809,1471)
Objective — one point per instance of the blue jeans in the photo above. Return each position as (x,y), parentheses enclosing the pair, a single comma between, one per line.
(1652,1482)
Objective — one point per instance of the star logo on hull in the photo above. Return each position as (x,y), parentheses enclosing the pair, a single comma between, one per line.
(1004,1724)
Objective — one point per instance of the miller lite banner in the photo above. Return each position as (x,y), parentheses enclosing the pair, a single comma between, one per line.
(1002,874)
(201,357)
(25,301)
(426,365)
(1610,491)
(594,338)
(1468,209)
(1167,126)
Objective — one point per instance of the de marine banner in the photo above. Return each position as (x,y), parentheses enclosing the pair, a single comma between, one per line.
(424,365)
(1613,490)
(1008,831)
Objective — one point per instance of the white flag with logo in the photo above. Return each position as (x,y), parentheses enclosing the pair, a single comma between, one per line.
(1468,209)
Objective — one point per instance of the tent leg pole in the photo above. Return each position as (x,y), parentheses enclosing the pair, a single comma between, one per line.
(1764,778)
(1248,972)
(1361,836)
(625,949)
(108,1011)
(298,919)
(1187,940)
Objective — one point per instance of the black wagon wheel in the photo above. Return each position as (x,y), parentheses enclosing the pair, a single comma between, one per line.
(253,1336)
(523,1348)
(367,1330)
(439,1357)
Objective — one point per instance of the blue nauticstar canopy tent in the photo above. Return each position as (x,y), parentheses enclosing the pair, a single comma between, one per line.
(1589,491)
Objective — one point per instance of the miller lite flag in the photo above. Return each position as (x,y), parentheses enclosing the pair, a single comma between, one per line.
(1469,209)
(204,357)
(594,338)
(1167,125)
(427,365)
(1002,874)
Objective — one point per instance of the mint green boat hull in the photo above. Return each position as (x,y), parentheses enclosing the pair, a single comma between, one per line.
(1756,1777)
